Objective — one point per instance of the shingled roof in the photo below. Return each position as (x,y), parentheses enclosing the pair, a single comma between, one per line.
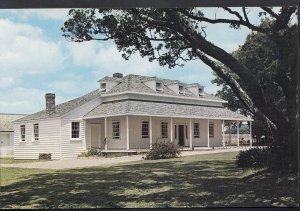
(63,108)
(6,120)
(134,107)
(129,82)
(136,83)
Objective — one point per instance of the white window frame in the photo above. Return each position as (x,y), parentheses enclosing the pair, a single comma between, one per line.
(145,133)
(72,130)
(114,133)
(103,87)
(211,130)
(21,134)
(181,89)
(164,134)
(34,137)
(159,87)
(196,130)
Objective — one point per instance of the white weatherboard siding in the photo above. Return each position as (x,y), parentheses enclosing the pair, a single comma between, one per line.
(136,140)
(216,141)
(49,140)
(120,143)
(71,148)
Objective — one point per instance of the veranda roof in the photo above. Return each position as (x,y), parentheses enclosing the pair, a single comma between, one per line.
(148,108)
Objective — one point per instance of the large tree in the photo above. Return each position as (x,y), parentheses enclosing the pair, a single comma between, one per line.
(260,56)
(174,36)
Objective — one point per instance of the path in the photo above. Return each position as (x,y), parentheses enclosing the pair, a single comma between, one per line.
(89,162)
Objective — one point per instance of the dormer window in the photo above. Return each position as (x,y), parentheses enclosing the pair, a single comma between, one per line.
(159,87)
(103,87)
(181,90)
(201,92)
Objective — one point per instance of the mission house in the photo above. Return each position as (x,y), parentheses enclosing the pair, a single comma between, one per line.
(125,114)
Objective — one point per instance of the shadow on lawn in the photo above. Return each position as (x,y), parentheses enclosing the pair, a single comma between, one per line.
(150,184)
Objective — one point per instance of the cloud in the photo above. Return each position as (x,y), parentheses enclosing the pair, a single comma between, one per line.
(44,14)
(105,58)
(24,50)
(73,86)
(6,82)
(25,100)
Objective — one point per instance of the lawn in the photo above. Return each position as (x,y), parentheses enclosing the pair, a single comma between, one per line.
(194,181)
(13,161)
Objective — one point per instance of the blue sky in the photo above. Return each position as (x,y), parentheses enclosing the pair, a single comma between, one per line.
(36,59)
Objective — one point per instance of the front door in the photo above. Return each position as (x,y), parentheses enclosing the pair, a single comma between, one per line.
(180,135)
(95,136)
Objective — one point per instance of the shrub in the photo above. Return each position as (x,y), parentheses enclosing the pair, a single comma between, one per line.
(92,152)
(274,158)
(254,157)
(162,150)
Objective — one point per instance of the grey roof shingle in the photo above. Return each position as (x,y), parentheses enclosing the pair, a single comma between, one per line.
(133,107)
(135,83)
(63,108)
(127,83)
(6,120)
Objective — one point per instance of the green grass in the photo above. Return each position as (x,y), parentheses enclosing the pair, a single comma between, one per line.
(13,161)
(195,181)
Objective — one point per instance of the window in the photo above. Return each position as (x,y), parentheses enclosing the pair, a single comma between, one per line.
(164,130)
(22,127)
(201,92)
(159,87)
(116,130)
(211,130)
(145,129)
(175,131)
(75,130)
(196,130)
(103,87)
(181,90)
(36,132)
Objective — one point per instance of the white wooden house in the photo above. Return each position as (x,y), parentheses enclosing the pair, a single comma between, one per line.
(126,114)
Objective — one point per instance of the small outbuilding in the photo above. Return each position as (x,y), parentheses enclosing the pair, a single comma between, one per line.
(7,133)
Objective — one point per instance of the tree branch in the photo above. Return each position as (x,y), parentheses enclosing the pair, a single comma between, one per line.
(245,15)
(249,84)
(234,85)
(270,11)
(221,20)
(234,13)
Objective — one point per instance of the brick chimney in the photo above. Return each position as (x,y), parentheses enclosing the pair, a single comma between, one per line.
(50,103)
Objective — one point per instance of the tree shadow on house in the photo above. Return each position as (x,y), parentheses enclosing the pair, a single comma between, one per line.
(168,183)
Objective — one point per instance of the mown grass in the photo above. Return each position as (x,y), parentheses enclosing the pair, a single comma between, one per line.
(13,161)
(195,181)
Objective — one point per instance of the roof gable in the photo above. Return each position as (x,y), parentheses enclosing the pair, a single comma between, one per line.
(6,121)
(63,108)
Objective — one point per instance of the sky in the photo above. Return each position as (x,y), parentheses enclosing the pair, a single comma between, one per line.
(36,59)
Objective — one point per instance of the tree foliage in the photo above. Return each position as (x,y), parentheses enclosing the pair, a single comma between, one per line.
(175,36)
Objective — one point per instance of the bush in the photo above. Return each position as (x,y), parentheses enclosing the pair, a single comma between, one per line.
(92,152)
(162,150)
(274,158)
(254,157)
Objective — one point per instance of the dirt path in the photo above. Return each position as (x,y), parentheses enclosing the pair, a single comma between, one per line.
(89,162)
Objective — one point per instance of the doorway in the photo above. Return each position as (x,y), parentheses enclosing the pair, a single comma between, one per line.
(181,135)
(95,136)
